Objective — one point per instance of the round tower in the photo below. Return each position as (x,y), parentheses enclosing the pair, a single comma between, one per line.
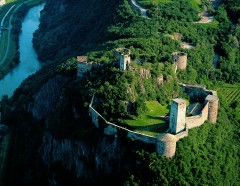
(212,108)
(181,60)
(166,145)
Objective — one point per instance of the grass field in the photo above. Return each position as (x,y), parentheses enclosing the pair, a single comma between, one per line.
(152,122)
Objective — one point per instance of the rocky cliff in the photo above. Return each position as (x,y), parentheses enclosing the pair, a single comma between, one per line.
(87,157)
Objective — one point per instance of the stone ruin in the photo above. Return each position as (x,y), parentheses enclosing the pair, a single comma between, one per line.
(123,57)
(180,58)
(84,66)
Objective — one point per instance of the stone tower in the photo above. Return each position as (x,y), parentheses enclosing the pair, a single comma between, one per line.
(212,108)
(123,55)
(180,58)
(166,145)
(177,122)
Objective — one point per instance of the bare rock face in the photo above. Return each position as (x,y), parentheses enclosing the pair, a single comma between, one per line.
(3,129)
(72,154)
(130,91)
(86,160)
(160,80)
(47,98)
(145,73)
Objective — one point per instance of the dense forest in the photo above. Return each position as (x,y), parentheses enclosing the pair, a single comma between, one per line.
(208,156)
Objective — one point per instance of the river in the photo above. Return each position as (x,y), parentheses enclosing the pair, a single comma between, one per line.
(29,63)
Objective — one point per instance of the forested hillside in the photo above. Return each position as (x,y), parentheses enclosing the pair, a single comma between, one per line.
(95,28)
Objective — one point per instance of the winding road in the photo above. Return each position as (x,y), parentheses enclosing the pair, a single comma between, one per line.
(9,29)
(142,10)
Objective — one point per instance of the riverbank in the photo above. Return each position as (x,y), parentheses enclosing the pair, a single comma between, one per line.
(9,45)
(12,80)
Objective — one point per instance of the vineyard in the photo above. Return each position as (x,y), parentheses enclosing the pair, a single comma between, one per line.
(229,93)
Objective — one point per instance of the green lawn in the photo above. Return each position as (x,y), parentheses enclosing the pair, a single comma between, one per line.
(152,122)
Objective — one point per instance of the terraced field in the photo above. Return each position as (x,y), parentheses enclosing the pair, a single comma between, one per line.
(229,93)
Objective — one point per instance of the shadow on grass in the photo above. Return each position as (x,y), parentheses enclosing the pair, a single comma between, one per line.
(156,128)
(156,118)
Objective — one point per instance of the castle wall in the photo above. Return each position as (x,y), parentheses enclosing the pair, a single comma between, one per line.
(198,120)
(110,130)
(142,137)
(181,135)
(204,112)
(195,91)
(194,121)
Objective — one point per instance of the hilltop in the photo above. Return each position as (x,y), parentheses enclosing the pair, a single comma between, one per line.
(56,143)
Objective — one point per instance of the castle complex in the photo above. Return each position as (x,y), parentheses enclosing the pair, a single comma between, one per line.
(179,123)
(182,117)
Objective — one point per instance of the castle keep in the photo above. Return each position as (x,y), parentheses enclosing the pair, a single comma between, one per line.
(177,116)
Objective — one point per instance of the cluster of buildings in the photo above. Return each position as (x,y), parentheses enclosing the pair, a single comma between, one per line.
(122,55)
(182,118)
